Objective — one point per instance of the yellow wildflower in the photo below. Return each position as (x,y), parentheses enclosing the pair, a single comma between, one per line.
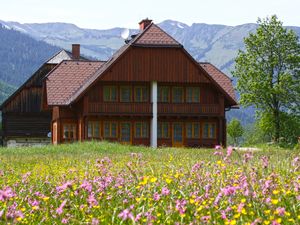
(168,180)
(46,199)
(153,179)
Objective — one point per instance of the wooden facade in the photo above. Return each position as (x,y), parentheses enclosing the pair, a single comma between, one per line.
(172,69)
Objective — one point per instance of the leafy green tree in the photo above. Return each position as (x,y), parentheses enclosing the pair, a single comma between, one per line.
(268,72)
(235,130)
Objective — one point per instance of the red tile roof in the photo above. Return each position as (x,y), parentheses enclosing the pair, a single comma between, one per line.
(221,78)
(66,78)
(155,36)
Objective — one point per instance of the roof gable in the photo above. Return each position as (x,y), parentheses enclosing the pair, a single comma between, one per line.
(66,78)
(155,36)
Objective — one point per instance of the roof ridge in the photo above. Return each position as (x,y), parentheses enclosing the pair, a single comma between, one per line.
(145,31)
(141,34)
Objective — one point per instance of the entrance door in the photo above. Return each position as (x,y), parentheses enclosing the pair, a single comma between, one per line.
(177,134)
(125,132)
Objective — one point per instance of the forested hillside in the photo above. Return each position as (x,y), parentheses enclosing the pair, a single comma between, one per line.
(20,55)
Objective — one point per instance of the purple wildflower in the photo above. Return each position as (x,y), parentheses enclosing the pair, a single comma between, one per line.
(125,214)
(59,210)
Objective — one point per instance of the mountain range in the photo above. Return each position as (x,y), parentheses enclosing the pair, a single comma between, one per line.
(33,43)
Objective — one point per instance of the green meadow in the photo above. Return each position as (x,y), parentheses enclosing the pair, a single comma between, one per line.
(107,183)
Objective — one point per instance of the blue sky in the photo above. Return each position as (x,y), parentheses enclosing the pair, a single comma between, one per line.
(127,13)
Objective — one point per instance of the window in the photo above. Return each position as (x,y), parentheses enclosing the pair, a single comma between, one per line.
(141,130)
(110,93)
(177,94)
(163,94)
(93,129)
(141,94)
(193,130)
(125,94)
(69,132)
(209,130)
(110,129)
(192,94)
(163,130)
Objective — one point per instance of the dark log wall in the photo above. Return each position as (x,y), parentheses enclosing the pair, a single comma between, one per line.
(26,125)
(22,116)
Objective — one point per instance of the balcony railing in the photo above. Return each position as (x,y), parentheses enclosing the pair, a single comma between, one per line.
(188,108)
(120,108)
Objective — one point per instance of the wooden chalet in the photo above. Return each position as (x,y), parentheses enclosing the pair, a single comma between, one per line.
(24,122)
(150,92)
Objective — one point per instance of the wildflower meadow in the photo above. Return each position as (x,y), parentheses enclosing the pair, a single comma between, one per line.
(106,183)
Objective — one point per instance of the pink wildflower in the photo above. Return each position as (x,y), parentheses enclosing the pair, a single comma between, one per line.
(86,186)
(156,196)
(125,214)
(165,191)
(218,147)
(229,190)
(280,211)
(138,217)
(205,219)
(180,206)
(64,221)
(265,161)
(247,157)
(7,193)
(91,200)
(229,151)
(223,215)
(63,187)
(59,210)
(95,221)
(218,153)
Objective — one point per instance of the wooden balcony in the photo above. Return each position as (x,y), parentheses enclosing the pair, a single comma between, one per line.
(188,109)
(146,109)
(120,108)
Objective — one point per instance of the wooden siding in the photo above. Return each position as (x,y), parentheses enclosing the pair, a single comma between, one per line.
(159,64)
(29,98)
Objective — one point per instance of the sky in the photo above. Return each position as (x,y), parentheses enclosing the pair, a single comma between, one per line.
(99,14)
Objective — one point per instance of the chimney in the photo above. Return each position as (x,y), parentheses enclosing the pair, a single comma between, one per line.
(76,51)
(144,24)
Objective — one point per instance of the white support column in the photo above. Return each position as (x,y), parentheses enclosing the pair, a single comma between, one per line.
(153,135)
